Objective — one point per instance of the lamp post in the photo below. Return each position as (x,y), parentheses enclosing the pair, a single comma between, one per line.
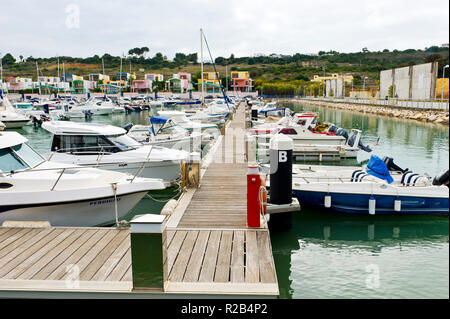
(443,82)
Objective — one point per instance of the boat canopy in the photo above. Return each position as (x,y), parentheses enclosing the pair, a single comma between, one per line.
(377,167)
(158,119)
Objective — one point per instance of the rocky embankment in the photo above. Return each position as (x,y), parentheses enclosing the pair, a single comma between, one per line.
(438,117)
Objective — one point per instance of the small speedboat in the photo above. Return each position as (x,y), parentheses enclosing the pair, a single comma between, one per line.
(10,117)
(33,189)
(382,188)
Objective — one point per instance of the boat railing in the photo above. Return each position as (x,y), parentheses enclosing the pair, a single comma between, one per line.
(72,168)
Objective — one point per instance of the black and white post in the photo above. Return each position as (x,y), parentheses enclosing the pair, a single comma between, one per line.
(281,147)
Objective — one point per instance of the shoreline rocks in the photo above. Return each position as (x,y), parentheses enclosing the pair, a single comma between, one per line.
(438,117)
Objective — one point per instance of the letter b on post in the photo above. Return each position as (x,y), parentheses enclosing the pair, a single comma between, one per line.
(282,157)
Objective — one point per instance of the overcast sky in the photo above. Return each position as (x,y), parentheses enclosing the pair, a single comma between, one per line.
(85,27)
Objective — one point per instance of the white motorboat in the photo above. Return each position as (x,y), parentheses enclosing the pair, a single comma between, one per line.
(33,189)
(110,148)
(94,107)
(167,133)
(373,190)
(9,116)
(180,118)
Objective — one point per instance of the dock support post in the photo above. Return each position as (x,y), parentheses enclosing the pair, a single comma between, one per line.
(281,147)
(147,251)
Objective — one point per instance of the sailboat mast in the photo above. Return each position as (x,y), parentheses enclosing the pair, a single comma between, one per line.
(37,78)
(64,79)
(120,75)
(201,59)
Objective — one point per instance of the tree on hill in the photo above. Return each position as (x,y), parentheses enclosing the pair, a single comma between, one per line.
(8,59)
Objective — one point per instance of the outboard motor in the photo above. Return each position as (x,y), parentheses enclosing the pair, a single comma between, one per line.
(333,128)
(351,142)
(442,179)
(389,161)
(36,121)
(128,127)
(87,114)
(46,109)
(342,132)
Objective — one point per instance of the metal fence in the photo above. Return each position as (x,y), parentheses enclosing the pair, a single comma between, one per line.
(393,102)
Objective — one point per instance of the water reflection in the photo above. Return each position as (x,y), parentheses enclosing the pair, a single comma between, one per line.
(351,235)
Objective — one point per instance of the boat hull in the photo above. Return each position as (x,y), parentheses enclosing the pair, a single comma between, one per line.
(359,203)
(82,213)
(15,124)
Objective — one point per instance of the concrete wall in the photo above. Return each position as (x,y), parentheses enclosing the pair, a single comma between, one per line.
(401,82)
(412,82)
(424,81)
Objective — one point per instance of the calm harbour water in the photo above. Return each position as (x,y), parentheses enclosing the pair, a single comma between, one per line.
(326,255)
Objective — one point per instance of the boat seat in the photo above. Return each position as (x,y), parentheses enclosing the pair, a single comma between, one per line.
(358,175)
(410,178)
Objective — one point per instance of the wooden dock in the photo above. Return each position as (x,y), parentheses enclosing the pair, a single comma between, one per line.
(210,252)
(210,248)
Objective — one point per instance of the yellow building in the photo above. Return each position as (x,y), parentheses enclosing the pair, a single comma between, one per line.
(118,83)
(347,78)
(240,75)
(439,88)
(212,83)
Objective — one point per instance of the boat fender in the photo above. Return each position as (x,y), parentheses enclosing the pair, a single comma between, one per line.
(327,201)
(397,205)
(169,207)
(372,205)
(442,179)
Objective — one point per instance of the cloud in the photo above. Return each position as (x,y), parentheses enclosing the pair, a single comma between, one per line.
(241,27)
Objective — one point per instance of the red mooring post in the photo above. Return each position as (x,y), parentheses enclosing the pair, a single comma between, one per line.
(253,204)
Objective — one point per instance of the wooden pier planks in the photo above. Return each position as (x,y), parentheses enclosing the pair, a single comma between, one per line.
(210,249)
(32,256)
(222,256)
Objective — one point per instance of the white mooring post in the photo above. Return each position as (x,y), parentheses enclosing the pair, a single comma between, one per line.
(147,251)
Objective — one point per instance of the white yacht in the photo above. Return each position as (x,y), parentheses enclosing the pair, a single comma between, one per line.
(166,133)
(33,189)
(181,119)
(110,148)
(95,107)
(9,116)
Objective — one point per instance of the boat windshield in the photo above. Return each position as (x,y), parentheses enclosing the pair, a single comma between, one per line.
(18,158)
(124,142)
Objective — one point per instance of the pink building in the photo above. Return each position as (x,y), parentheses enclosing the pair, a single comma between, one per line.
(141,86)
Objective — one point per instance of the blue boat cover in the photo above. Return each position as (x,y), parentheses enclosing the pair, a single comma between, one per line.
(158,120)
(378,168)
